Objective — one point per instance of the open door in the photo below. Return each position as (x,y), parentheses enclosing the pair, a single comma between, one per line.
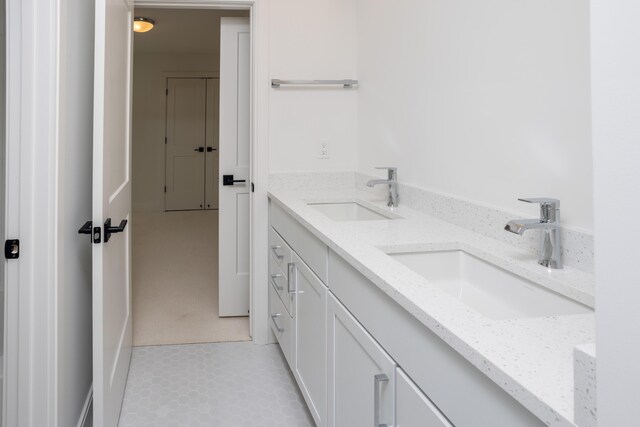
(111,208)
(235,43)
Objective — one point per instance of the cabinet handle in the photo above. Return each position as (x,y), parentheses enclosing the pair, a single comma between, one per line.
(273,319)
(377,379)
(293,277)
(275,248)
(273,281)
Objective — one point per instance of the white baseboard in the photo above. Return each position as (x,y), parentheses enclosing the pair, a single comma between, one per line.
(86,418)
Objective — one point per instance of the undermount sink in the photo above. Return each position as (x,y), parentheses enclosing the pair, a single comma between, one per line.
(350,211)
(486,288)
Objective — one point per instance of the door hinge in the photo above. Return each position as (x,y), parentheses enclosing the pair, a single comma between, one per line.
(12,249)
(253,188)
(165,188)
(165,139)
(167,92)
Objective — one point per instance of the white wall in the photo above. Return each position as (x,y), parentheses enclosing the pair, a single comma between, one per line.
(149,84)
(312,39)
(73,261)
(483,100)
(616,135)
(308,39)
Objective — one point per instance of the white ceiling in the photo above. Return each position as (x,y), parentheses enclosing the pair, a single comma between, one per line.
(182,31)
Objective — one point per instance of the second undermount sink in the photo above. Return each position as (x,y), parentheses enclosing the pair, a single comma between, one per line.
(350,211)
(486,288)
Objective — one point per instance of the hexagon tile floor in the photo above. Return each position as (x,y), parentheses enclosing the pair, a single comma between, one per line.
(233,384)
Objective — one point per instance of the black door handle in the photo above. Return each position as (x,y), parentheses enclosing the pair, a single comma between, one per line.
(109,230)
(199,149)
(210,149)
(87,228)
(228,180)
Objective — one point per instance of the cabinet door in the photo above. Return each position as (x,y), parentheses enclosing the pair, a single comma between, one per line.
(310,318)
(361,374)
(413,408)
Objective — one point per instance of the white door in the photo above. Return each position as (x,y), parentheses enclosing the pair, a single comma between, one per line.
(212,137)
(234,163)
(111,200)
(361,374)
(185,143)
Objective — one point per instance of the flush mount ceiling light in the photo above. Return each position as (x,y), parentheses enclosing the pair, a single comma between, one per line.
(142,25)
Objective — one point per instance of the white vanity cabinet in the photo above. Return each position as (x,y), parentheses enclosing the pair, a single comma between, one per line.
(359,358)
(298,294)
(310,338)
(361,374)
(413,408)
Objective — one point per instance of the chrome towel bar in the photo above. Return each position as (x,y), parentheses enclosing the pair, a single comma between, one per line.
(347,83)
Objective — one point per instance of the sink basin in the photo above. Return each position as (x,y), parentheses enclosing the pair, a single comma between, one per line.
(486,288)
(350,211)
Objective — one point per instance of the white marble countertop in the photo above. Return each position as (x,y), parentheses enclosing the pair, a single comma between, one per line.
(530,358)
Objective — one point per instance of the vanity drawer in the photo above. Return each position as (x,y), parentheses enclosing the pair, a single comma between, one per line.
(280,323)
(279,250)
(312,251)
(280,282)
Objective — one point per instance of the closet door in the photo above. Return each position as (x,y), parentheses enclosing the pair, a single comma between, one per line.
(212,153)
(185,143)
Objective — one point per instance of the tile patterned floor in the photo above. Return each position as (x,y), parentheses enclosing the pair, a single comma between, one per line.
(223,385)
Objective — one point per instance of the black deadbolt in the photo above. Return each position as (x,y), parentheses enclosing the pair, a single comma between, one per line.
(12,249)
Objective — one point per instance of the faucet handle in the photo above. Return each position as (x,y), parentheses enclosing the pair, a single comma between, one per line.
(392,171)
(549,208)
(543,201)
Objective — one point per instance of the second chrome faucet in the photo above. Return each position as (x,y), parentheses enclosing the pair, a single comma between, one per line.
(549,224)
(392,182)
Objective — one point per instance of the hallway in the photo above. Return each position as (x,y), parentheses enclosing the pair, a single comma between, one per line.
(175,281)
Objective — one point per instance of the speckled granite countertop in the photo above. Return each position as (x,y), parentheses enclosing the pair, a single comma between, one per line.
(530,358)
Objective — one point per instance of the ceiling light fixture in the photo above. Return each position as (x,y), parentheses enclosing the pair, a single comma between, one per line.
(142,25)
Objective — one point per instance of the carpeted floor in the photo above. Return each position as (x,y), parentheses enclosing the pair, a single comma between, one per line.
(175,281)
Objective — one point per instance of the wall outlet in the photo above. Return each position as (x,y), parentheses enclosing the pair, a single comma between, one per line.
(323,150)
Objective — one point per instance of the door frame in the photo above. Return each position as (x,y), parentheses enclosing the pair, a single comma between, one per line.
(259,149)
(33,37)
(177,75)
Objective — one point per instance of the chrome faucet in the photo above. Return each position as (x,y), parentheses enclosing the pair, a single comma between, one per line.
(549,224)
(392,181)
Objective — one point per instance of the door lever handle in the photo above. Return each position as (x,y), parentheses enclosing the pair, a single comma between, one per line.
(87,228)
(228,180)
(199,149)
(109,229)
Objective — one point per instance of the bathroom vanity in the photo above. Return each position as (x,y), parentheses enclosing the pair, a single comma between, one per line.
(374,333)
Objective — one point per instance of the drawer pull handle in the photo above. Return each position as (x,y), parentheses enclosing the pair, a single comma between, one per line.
(275,283)
(377,379)
(275,248)
(293,277)
(273,319)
